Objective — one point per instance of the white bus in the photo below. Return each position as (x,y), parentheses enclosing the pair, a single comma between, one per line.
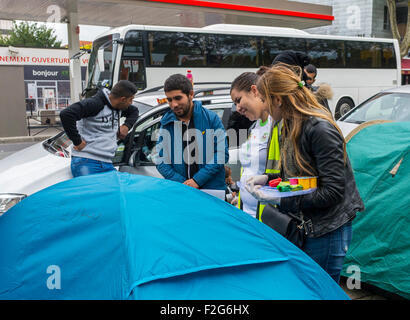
(356,68)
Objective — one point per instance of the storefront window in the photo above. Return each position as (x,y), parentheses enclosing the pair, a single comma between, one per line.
(30,96)
(48,87)
(63,88)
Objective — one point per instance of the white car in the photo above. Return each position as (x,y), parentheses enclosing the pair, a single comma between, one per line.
(390,105)
(46,163)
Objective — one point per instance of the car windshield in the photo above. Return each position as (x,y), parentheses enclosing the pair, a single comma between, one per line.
(383,106)
(142,107)
(59,145)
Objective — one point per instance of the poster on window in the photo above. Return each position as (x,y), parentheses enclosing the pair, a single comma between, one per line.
(31,88)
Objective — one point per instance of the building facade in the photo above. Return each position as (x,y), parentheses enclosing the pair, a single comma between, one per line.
(45,75)
(5,27)
(357,18)
(33,80)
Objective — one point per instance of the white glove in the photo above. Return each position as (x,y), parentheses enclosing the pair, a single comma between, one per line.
(258,180)
(261,196)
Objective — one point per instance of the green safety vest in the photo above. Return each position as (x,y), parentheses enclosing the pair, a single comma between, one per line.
(272,162)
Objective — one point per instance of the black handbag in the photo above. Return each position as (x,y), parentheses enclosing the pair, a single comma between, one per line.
(292,227)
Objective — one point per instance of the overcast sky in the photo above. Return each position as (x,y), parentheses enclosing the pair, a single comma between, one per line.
(87,33)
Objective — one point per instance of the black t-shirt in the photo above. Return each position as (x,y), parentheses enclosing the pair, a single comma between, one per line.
(189,144)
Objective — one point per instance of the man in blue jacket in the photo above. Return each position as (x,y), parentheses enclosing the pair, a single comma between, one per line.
(192,146)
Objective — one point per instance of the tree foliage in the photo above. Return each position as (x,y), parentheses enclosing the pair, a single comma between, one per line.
(404,42)
(32,35)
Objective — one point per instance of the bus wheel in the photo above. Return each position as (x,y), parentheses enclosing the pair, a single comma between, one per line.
(343,106)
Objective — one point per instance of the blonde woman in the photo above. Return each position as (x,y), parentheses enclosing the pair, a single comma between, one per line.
(311,145)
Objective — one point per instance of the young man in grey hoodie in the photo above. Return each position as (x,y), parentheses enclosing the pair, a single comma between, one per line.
(95,135)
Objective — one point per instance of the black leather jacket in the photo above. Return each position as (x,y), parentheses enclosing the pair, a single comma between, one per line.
(336,200)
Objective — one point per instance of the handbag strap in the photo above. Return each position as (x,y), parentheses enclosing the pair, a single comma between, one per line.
(306,225)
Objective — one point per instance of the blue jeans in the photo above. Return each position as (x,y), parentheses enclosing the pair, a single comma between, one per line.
(329,250)
(84,166)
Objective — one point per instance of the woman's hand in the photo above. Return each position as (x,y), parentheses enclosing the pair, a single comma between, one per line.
(253,186)
(258,180)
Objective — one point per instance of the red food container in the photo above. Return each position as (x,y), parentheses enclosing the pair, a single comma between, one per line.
(274,183)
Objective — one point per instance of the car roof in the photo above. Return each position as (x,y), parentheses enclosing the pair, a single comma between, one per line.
(400,89)
(210,92)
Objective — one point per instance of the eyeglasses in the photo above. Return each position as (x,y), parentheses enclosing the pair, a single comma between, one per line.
(313,79)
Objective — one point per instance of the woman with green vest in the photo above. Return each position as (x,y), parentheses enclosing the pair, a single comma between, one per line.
(260,153)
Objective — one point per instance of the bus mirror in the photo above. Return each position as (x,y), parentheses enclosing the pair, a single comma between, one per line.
(101,59)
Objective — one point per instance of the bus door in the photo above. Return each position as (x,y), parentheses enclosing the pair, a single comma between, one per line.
(134,70)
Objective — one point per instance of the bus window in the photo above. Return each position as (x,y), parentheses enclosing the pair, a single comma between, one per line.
(388,57)
(326,53)
(133,44)
(134,71)
(370,55)
(272,46)
(173,49)
(232,51)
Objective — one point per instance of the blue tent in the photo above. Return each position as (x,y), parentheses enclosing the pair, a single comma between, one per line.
(122,236)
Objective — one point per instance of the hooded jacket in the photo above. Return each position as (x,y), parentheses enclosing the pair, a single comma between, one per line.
(211,172)
(323,92)
(95,121)
(293,58)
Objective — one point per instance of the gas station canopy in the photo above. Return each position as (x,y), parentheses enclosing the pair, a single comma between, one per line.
(187,13)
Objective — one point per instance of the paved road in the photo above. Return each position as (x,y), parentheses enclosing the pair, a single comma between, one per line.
(9,148)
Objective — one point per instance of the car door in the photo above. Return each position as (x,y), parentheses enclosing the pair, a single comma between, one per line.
(141,144)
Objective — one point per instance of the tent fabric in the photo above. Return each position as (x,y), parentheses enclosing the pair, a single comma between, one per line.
(122,236)
(381,235)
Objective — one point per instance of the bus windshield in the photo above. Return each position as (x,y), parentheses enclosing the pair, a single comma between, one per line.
(101,63)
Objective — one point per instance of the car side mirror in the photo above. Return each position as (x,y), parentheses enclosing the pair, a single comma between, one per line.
(135,158)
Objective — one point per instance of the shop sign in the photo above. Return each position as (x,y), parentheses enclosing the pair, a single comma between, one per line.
(35,56)
(49,73)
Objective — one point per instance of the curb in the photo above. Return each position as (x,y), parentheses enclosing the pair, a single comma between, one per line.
(23,139)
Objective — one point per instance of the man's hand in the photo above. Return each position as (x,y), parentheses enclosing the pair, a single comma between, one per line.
(81,146)
(191,183)
(122,132)
(234,201)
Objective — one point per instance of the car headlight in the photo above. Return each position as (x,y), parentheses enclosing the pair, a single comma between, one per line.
(8,200)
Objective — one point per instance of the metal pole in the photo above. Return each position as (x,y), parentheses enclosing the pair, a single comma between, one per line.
(73,47)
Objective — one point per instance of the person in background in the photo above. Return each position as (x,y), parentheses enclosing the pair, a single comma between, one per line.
(185,122)
(311,73)
(93,125)
(311,145)
(231,187)
(322,92)
(260,153)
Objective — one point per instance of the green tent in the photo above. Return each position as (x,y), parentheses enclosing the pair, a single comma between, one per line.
(380,156)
